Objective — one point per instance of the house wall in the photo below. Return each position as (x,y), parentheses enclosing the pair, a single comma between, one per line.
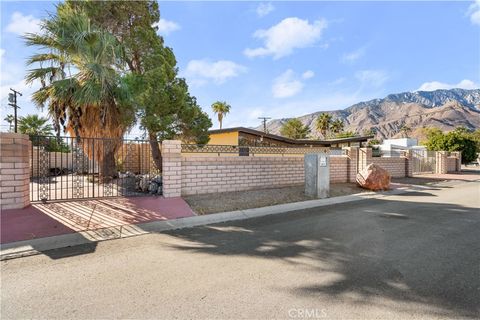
(226,138)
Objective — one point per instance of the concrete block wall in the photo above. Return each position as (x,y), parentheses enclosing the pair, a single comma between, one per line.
(394,165)
(454,162)
(441,162)
(212,175)
(187,175)
(172,168)
(14,171)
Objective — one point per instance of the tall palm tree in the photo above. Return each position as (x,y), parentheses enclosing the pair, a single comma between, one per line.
(323,123)
(80,72)
(9,119)
(34,125)
(337,126)
(221,109)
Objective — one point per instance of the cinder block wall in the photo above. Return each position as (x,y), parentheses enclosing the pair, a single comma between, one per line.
(14,171)
(221,174)
(186,175)
(395,166)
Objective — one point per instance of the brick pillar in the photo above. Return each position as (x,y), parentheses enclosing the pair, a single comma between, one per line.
(172,168)
(364,158)
(352,154)
(458,160)
(408,155)
(14,171)
(441,162)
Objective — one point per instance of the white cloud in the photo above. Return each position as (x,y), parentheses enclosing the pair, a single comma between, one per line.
(308,74)
(288,84)
(353,56)
(166,27)
(20,24)
(290,33)
(374,78)
(474,12)
(435,85)
(264,8)
(219,71)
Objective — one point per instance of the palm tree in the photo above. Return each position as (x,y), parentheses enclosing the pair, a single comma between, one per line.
(337,126)
(9,119)
(221,109)
(81,82)
(323,123)
(33,125)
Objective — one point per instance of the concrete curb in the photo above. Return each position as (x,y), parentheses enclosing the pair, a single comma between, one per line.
(36,246)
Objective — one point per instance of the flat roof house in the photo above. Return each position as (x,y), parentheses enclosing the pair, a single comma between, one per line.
(241,136)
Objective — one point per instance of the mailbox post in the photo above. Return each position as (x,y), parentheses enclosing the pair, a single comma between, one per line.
(317,175)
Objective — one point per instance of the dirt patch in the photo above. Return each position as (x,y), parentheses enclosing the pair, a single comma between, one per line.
(240,200)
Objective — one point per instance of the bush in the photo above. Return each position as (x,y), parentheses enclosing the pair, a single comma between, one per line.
(461,139)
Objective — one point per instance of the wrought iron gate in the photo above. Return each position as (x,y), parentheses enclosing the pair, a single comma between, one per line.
(69,168)
(423,161)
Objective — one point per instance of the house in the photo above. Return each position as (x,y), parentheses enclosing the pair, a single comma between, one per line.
(394,147)
(241,136)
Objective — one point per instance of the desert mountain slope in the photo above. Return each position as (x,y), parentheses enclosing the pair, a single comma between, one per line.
(444,109)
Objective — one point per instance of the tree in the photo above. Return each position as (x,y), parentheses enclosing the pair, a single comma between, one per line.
(221,109)
(323,123)
(80,72)
(33,125)
(346,134)
(294,129)
(337,126)
(405,131)
(153,72)
(10,120)
(458,140)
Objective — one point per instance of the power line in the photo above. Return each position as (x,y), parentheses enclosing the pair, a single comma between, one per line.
(264,120)
(12,98)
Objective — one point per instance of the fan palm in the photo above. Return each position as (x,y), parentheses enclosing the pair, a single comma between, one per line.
(81,83)
(33,125)
(323,123)
(221,109)
(337,126)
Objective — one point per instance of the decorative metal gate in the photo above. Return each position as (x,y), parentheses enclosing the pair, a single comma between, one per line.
(423,161)
(63,168)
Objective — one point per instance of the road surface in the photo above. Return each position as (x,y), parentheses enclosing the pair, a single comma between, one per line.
(414,255)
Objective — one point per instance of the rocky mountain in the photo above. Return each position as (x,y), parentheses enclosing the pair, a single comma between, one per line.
(444,109)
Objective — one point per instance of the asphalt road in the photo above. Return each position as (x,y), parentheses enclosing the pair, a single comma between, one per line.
(414,255)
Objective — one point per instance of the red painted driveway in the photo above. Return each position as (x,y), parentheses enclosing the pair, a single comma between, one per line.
(56,218)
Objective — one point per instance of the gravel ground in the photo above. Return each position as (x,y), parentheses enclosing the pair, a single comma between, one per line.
(240,200)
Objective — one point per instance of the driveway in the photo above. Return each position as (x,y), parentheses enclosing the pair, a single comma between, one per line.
(414,255)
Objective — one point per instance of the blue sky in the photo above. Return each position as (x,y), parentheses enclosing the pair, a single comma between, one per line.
(283,59)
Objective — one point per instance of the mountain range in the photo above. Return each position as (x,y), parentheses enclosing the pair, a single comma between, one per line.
(444,109)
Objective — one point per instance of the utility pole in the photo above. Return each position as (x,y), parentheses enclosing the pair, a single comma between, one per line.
(12,98)
(264,120)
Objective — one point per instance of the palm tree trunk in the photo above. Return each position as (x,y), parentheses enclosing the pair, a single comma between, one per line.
(108,168)
(156,153)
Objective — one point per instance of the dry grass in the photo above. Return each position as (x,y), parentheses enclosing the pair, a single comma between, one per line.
(240,200)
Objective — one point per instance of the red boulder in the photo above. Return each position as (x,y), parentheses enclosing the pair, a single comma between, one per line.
(374,178)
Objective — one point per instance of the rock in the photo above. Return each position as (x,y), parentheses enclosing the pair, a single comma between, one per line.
(374,178)
(157,179)
(144,184)
(153,187)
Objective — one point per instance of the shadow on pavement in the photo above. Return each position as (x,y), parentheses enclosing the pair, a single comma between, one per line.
(428,254)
